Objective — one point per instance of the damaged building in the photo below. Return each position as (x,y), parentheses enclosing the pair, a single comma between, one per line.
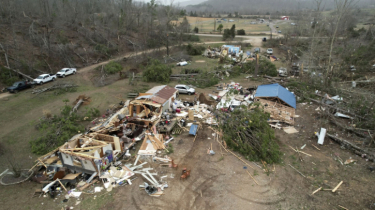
(278,101)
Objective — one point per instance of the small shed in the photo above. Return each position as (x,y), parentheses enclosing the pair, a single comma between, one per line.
(284,17)
(278,101)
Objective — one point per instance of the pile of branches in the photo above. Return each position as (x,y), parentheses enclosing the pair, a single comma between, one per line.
(67,87)
(249,133)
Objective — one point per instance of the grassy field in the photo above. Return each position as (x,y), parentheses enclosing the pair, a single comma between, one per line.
(206,25)
(217,39)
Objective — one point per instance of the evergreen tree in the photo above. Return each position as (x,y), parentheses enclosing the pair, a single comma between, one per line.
(233,31)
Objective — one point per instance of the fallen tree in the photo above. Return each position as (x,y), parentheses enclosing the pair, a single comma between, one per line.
(64,86)
(249,133)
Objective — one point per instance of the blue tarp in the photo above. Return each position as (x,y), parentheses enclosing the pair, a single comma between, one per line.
(276,90)
(193,129)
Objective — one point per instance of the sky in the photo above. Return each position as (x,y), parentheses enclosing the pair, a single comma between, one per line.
(166,1)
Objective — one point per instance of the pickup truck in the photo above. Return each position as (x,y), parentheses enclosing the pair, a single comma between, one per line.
(44,78)
(20,85)
(66,71)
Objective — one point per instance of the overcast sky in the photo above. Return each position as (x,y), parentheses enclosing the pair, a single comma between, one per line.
(166,1)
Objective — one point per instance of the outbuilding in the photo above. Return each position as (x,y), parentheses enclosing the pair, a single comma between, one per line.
(278,101)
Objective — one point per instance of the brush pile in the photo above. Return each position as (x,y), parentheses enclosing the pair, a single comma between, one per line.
(249,133)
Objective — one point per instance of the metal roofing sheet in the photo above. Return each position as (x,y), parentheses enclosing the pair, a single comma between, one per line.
(156,89)
(144,96)
(166,92)
(276,90)
(159,100)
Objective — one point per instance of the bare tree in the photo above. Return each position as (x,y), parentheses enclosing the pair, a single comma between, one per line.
(342,7)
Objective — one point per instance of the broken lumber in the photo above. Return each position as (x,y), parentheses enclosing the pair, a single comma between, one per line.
(315,147)
(298,151)
(334,190)
(252,177)
(343,207)
(316,190)
(297,171)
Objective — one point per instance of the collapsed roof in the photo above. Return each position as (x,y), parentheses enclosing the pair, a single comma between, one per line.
(276,91)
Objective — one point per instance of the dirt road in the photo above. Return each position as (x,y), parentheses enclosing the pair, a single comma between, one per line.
(4,95)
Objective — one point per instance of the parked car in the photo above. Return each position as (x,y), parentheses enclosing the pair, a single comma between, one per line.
(264,39)
(277,26)
(185,89)
(293,24)
(66,71)
(352,68)
(270,51)
(279,32)
(45,78)
(257,50)
(20,85)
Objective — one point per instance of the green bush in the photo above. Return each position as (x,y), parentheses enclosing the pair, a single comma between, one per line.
(8,77)
(156,72)
(112,67)
(241,32)
(266,67)
(195,49)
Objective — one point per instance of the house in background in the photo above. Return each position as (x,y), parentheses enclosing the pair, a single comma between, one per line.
(277,101)
(284,17)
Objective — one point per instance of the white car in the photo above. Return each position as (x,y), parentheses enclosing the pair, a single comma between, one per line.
(185,89)
(270,51)
(66,71)
(44,78)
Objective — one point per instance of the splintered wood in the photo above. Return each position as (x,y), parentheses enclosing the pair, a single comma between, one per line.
(278,111)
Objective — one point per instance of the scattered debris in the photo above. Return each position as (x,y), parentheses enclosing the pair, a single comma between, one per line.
(321,135)
(316,190)
(337,187)
(297,171)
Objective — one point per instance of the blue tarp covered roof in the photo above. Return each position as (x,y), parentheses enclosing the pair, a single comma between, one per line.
(276,90)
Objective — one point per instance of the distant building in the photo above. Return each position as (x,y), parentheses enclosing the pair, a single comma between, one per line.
(284,17)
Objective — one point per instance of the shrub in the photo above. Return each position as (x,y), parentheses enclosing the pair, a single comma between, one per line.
(156,72)
(265,67)
(195,49)
(112,67)
(7,76)
(241,32)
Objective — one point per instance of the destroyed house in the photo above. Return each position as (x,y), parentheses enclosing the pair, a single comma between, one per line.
(148,107)
(278,101)
(90,153)
(232,49)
